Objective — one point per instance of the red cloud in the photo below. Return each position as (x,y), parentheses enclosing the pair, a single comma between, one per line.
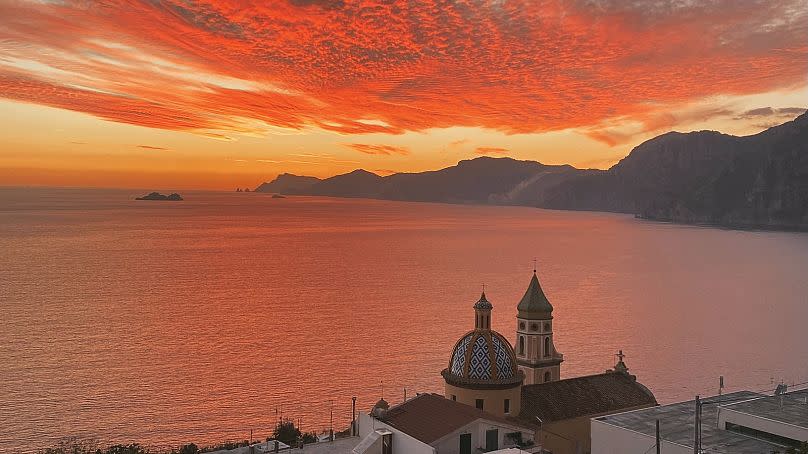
(490,150)
(518,66)
(378,149)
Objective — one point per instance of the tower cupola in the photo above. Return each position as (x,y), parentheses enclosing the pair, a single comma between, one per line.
(482,313)
(482,370)
(534,305)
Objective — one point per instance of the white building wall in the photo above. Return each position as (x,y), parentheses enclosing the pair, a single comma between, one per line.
(782,429)
(450,444)
(609,439)
(402,443)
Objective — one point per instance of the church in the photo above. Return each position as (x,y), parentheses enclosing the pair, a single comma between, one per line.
(524,383)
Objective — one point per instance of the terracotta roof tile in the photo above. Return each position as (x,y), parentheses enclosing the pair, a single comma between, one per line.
(429,417)
(583,396)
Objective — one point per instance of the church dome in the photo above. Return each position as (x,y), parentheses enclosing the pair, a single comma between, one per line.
(483,358)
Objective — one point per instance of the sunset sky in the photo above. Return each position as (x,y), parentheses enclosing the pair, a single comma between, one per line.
(219,94)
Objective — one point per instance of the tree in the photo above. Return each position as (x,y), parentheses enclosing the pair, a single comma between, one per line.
(309,437)
(73,445)
(132,448)
(189,449)
(286,432)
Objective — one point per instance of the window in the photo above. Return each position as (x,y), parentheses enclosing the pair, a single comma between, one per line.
(387,444)
(491,440)
(546,377)
(507,406)
(465,443)
(454,398)
(546,346)
(522,326)
(521,345)
(479,403)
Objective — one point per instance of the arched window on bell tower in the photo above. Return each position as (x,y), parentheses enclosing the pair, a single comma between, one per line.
(521,345)
(547,347)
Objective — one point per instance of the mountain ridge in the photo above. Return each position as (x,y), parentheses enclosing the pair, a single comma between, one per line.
(699,177)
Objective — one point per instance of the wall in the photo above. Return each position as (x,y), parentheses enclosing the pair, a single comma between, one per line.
(727,414)
(535,374)
(450,444)
(572,436)
(402,443)
(609,439)
(534,334)
(494,398)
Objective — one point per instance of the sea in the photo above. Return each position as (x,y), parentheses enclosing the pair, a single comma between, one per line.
(209,319)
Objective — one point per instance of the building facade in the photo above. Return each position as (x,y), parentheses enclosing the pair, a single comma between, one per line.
(524,382)
(742,422)
(430,423)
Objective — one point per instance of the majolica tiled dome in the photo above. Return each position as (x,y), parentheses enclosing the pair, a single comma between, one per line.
(482,357)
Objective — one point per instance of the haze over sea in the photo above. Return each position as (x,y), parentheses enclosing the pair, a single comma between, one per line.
(173,322)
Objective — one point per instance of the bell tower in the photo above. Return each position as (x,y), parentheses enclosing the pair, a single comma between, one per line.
(535,352)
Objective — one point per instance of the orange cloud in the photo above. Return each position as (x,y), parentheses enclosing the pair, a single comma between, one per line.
(490,150)
(149,147)
(517,66)
(378,149)
(384,172)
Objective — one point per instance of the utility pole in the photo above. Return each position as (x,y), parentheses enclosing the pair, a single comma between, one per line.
(658,447)
(331,431)
(353,416)
(697,428)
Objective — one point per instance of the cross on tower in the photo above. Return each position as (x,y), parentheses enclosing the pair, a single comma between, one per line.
(620,355)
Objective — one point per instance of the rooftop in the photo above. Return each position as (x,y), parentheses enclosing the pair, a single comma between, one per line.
(790,408)
(429,417)
(677,425)
(534,303)
(583,396)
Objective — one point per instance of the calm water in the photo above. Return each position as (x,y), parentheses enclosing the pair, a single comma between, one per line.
(167,323)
